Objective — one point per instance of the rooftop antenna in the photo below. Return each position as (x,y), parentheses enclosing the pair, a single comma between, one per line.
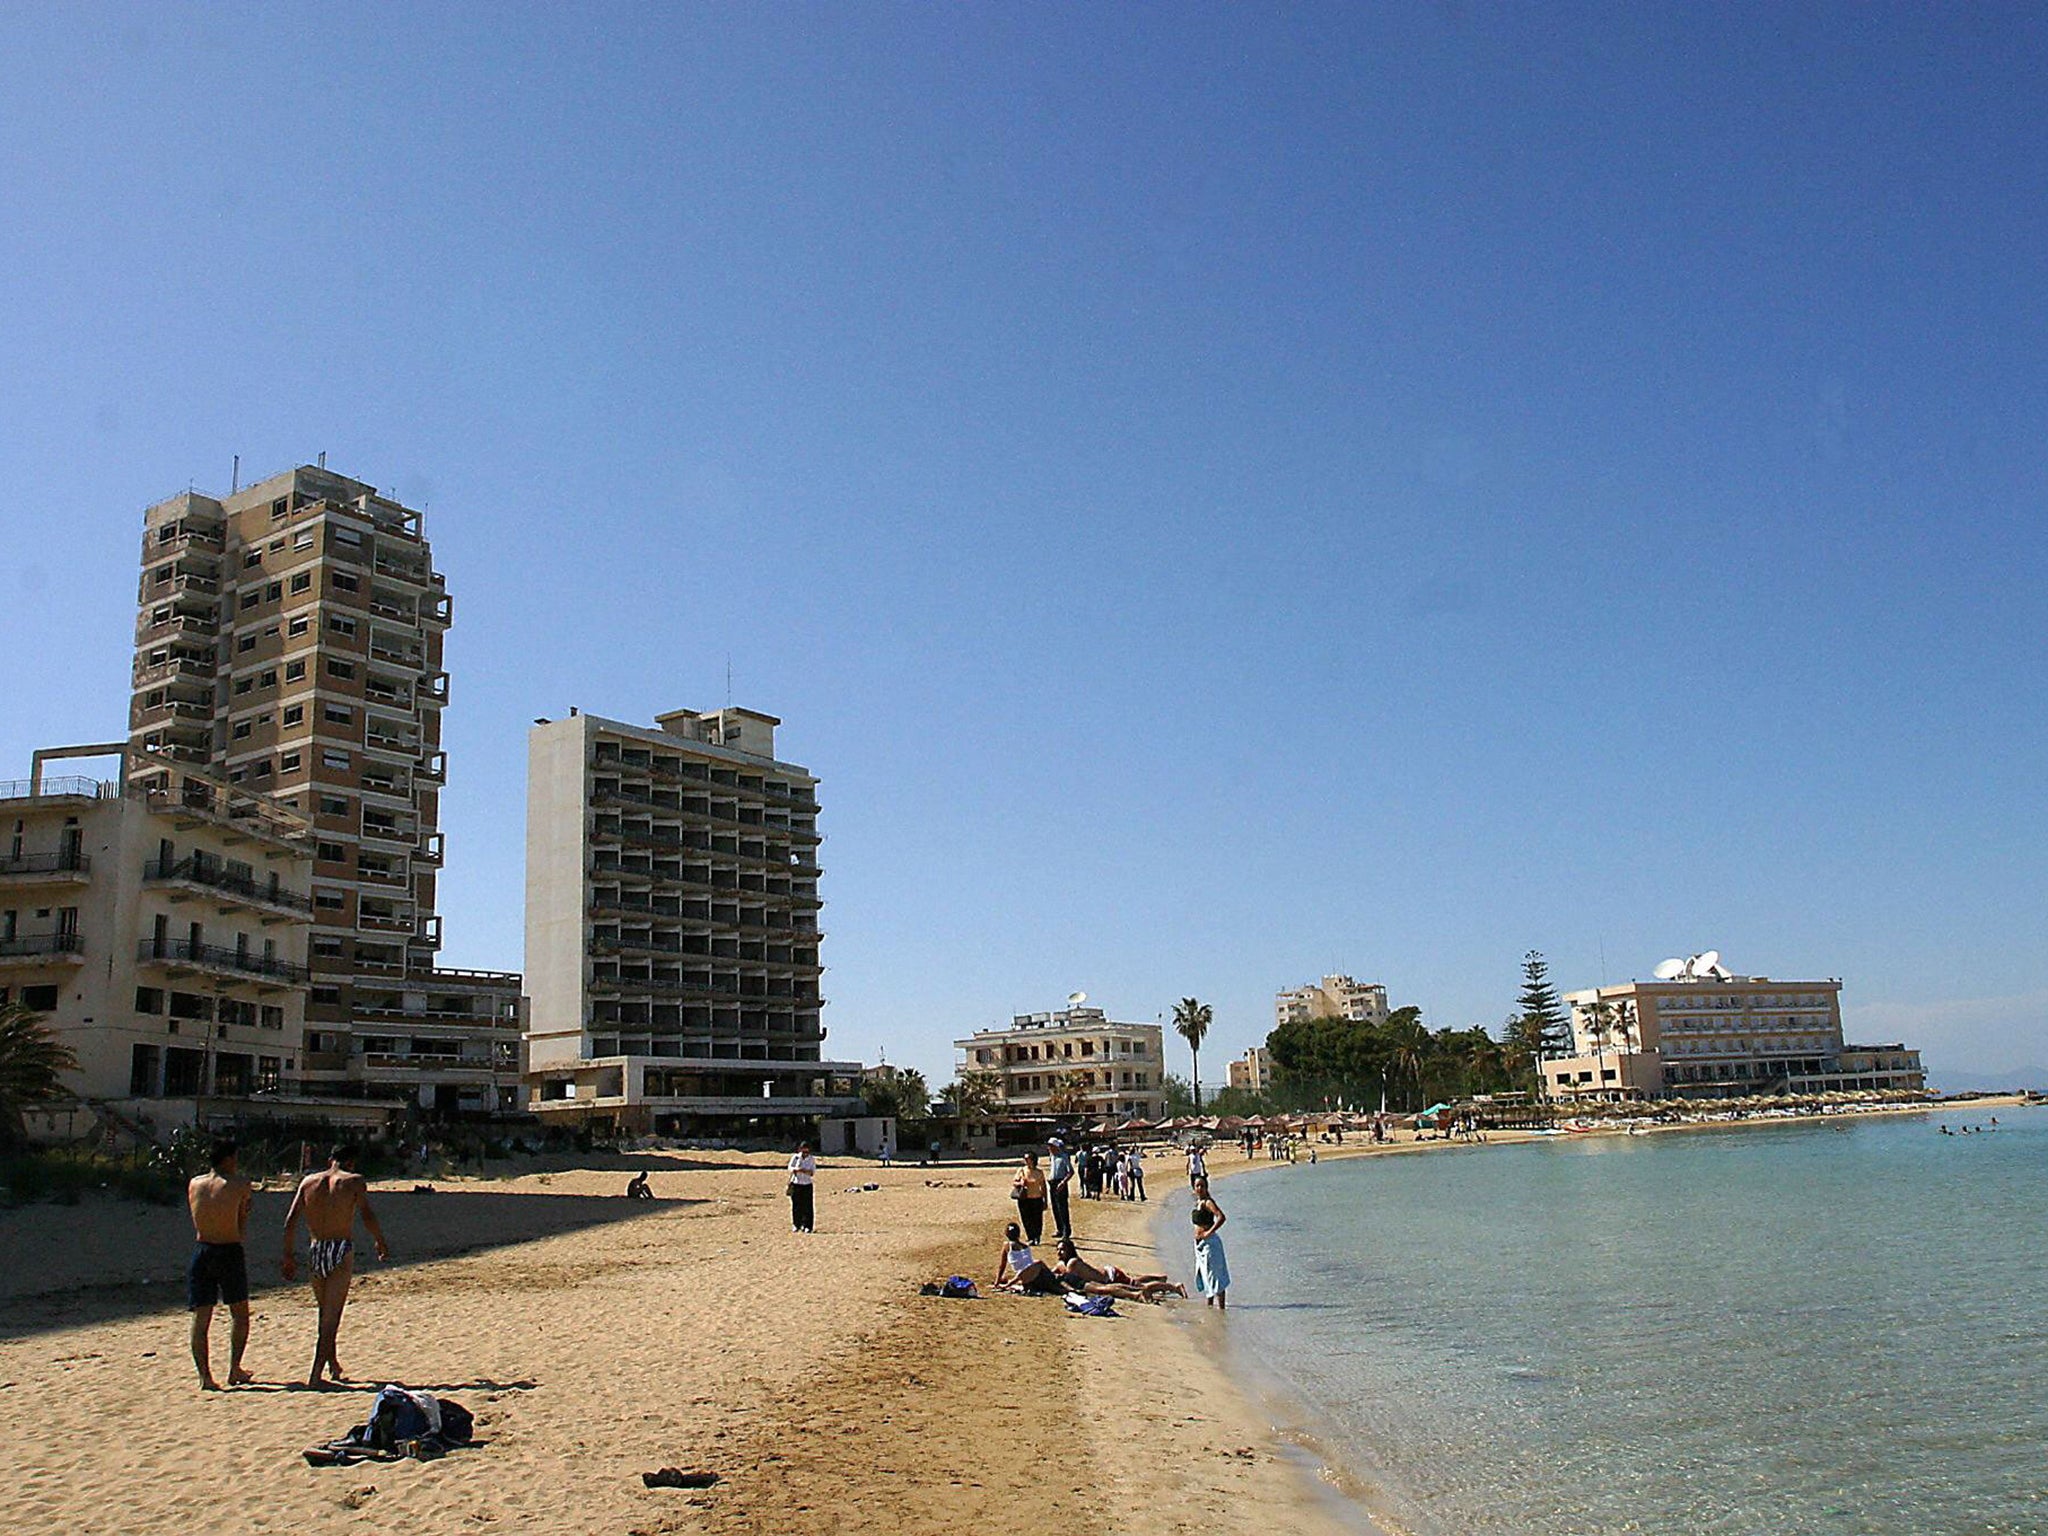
(323,458)
(728,679)
(235,480)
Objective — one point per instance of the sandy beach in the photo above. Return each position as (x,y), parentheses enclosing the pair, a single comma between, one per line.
(597,1338)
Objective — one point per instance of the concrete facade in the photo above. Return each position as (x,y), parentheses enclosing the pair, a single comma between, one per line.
(160,931)
(672,937)
(1253,1071)
(1118,1070)
(1719,1036)
(1334,997)
(289,640)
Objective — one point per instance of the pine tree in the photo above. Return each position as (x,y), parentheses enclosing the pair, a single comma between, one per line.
(1540,1016)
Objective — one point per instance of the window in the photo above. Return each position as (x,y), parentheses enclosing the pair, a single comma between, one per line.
(303,539)
(303,582)
(268,679)
(253,557)
(149,1000)
(279,508)
(246,643)
(326,948)
(276,545)
(273,592)
(341,625)
(333,759)
(289,763)
(260,770)
(294,714)
(294,671)
(297,626)
(340,668)
(242,729)
(329,901)
(349,537)
(333,805)
(338,714)
(244,684)
(250,600)
(332,853)
(39,999)
(343,582)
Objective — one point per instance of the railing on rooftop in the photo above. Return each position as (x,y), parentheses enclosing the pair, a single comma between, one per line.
(59,784)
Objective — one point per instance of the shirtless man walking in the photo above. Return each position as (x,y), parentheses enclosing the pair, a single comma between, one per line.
(330,1201)
(219,1201)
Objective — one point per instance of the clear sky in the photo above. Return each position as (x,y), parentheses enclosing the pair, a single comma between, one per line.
(1218,494)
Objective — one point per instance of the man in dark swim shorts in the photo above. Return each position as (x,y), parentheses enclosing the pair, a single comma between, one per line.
(219,1201)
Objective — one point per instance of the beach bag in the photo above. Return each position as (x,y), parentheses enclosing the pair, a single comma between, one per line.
(458,1424)
(1092,1306)
(958,1286)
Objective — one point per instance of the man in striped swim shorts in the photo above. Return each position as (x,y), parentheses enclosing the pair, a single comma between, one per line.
(330,1200)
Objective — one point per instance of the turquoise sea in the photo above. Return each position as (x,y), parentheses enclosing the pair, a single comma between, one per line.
(1831,1326)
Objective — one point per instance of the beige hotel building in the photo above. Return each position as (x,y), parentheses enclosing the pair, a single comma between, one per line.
(1120,1069)
(1719,1036)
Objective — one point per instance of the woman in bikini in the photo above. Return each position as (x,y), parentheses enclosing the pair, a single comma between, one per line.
(1095,1280)
(1020,1270)
(1212,1268)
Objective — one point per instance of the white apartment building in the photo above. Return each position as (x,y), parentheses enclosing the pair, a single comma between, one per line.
(672,928)
(1253,1071)
(1719,1036)
(1334,997)
(159,930)
(1113,1071)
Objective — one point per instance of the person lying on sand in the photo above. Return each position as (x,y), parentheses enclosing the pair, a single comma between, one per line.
(1094,1280)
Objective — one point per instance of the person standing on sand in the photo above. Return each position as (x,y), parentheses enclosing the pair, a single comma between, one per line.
(1198,1165)
(219,1202)
(331,1200)
(803,1177)
(1134,1164)
(1062,1177)
(1212,1267)
(1028,1190)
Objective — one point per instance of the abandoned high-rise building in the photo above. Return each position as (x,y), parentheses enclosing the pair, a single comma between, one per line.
(289,641)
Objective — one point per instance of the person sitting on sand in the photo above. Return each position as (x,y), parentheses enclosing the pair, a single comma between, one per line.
(330,1201)
(1020,1270)
(219,1202)
(638,1189)
(1097,1281)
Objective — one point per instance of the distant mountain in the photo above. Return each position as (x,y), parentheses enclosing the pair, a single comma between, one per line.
(1953,1080)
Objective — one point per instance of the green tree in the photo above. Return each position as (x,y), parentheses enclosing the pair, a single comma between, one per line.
(31,1063)
(1069,1094)
(1540,1026)
(973,1097)
(1191,1021)
(901,1093)
(1180,1099)
(1240,1101)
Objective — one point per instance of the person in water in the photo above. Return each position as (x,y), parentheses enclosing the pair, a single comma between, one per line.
(1212,1267)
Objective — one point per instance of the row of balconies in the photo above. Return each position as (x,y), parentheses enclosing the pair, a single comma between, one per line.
(616,901)
(650,837)
(608,755)
(219,959)
(68,866)
(216,881)
(17,949)
(702,810)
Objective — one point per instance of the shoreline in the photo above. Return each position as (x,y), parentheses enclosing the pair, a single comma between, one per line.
(1290,1417)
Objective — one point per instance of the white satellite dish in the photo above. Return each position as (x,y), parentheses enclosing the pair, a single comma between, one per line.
(1704,964)
(1076,999)
(1670,970)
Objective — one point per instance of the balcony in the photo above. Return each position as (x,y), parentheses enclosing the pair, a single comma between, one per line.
(382,649)
(390,833)
(433,688)
(190,671)
(216,882)
(42,949)
(69,868)
(432,768)
(217,959)
(430,850)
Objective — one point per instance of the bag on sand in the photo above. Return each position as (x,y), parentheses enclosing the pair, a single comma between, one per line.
(1091,1306)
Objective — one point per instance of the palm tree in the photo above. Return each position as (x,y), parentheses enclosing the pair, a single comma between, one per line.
(973,1096)
(1191,1021)
(31,1059)
(1070,1094)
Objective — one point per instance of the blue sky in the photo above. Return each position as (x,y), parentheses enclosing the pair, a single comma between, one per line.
(1219,494)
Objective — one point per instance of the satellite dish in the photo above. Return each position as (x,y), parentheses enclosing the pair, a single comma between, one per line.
(1076,999)
(1707,962)
(1669,970)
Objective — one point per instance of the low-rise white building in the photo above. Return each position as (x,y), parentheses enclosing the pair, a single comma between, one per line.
(160,931)
(1074,1056)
